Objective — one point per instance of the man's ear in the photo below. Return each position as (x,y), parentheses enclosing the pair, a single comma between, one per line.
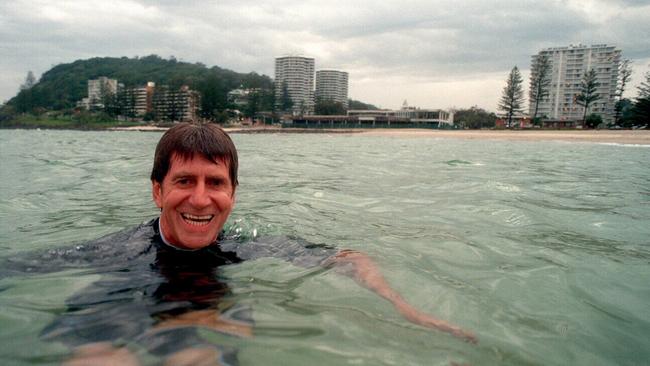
(156,192)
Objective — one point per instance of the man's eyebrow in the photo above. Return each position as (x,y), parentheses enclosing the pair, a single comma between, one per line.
(182,174)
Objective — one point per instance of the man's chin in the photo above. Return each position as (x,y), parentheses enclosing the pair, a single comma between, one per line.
(194,241)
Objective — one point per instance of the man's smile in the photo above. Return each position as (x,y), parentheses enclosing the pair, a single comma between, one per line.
(196,220)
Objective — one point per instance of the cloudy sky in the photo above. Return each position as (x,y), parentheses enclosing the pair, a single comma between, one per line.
(435,54)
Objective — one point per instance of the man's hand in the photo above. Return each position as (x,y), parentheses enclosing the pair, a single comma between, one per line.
(426,320)
(101,354)
(208,319)
(367,274)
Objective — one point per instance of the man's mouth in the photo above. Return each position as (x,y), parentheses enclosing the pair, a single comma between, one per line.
(196,220)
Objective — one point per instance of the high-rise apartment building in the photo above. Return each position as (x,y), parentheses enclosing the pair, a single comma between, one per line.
(568,66)
(295,74)
(332,85)
(98,89)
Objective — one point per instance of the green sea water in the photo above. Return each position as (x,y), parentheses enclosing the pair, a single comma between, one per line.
(542,249)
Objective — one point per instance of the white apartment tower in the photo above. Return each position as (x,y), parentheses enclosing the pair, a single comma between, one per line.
(332,85)
(98,88)
(568,66)
(297,73)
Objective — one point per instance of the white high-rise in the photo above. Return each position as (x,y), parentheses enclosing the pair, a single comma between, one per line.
(297,73)
(99,88)
(568,66)
(332,85)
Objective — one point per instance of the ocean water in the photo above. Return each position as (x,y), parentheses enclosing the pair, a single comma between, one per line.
(542,249)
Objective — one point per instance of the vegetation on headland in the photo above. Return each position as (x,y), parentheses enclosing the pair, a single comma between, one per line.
(355,104)
(60,88)
(79,121)
(64,85)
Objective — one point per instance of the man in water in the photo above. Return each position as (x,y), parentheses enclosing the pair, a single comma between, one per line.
(163,284)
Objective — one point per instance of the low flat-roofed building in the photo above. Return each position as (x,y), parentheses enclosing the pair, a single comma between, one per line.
(413,114)
(409,117)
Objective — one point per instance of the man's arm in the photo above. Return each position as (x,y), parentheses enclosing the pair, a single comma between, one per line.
(367,274)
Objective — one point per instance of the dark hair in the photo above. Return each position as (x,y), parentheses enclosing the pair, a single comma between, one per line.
(186,140)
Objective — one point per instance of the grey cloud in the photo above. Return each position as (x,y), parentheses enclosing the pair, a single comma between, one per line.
(433,40)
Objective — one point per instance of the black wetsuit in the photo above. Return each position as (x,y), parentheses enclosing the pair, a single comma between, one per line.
(145,281)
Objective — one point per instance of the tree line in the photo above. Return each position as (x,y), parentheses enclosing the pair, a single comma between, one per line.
(627,112)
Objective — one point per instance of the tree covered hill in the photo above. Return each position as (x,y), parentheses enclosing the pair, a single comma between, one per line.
(65,84)
(355,104)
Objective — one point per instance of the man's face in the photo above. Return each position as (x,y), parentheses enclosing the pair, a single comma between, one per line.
(196,198)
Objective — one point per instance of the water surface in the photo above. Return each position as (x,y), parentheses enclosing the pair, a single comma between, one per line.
(540,248)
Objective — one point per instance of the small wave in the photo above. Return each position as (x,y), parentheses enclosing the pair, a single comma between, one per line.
(622,144)
(458,162)
(503,187)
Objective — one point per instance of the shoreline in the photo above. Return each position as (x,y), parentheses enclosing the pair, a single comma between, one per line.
(633,137)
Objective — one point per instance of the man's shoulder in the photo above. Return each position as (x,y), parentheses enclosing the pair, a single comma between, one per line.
(129,240)
(110,249)
(295,250)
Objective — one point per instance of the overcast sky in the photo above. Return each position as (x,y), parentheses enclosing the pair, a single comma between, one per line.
(435,54)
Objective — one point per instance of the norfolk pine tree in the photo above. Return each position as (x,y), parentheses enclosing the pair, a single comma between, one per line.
(624,74)
(641,110)
(25,97)
(513,95)
(30,81)
(539,81)
(588,92)
(286,103)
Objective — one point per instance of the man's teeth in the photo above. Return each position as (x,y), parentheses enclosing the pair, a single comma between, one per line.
(196,219)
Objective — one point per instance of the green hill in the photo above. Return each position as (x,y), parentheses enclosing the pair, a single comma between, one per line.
(65,84)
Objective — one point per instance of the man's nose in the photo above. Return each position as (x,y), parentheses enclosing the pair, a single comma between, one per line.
(199,197)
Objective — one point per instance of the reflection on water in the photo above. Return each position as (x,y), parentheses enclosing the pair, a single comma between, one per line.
(540,248)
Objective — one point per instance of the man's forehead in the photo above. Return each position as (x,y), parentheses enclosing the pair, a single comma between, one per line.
(181,159)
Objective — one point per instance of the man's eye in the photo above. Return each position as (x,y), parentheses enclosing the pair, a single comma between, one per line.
(183,181)
(216,182)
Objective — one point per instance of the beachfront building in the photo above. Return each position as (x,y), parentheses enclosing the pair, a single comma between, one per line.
(294,79)
(148,101)
(568,67)
(406,117)
(143,98)
(98,90)
(241,97)
(175,104)
(161,102)
(332,85)
(428,116)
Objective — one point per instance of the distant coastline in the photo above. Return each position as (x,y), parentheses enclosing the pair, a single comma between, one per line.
(634,137)
(638,137)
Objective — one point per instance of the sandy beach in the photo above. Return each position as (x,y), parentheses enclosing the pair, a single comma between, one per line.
(639,137)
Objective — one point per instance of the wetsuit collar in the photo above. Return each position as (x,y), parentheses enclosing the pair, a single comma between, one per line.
(164,240)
